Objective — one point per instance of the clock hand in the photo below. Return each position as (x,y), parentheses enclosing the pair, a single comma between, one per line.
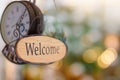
(21,17)
(17,30)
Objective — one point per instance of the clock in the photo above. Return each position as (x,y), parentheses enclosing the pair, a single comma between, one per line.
(19,19)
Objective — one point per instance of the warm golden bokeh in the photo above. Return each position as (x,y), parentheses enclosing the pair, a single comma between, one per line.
(112,41)
(107,58)
(91,55)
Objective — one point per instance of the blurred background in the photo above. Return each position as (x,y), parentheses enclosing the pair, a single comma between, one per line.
(91,30)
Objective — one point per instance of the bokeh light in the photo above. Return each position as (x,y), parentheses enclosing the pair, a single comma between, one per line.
(112,41)
(107,58)
(77,69)
(91,55)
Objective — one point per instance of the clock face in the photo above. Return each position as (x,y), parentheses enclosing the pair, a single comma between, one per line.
(15,22)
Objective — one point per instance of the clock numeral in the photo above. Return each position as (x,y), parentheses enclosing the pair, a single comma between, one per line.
(16,33)
(12,37)
(12,12)
(9,18)
(9,33)
(27,22)
(7,26)
(17,9)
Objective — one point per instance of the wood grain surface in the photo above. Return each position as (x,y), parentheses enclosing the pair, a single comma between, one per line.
(40,49)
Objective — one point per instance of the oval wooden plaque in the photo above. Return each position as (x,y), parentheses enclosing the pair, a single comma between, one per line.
(40,49)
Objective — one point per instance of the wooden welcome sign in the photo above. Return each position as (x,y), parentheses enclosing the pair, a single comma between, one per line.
(40,49)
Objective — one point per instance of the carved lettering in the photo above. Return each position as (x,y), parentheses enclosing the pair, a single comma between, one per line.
(32,49)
